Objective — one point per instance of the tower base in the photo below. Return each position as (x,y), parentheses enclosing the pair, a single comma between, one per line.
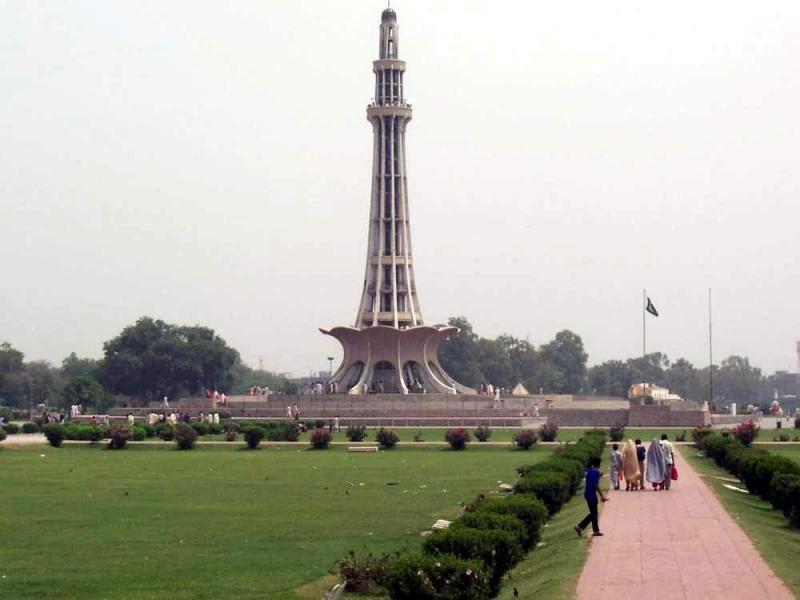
(385,359)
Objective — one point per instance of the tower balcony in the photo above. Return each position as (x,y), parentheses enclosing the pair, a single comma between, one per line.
(389,110)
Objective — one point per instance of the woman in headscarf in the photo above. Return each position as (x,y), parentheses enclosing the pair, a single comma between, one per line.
(630,466)
(656,466)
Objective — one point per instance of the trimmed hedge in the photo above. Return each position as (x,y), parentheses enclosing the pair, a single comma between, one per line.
(499,550)
(11,428)
(468,560)
(487,520)
(770,476)
(528,509)
(30,427)
(551,487)
(2,434)
(444,577)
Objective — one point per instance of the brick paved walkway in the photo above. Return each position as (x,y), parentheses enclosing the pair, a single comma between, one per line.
(680,543)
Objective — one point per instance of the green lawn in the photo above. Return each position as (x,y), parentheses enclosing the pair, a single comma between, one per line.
(153,522)
(769,530)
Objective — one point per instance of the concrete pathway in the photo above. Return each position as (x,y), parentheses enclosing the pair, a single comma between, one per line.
(680,543)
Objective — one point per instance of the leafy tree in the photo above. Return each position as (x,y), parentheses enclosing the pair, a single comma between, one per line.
(566,355)
(459,354)
(649,368)
(152,359)
(681,379)
(611,378)
(86,390)
(495,364)
(245,378)
(739,382)
(12,370)
(74,366)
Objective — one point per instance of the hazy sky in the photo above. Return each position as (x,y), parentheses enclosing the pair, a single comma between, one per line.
(209,162)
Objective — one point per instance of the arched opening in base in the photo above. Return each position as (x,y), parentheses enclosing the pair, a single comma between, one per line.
(384,379)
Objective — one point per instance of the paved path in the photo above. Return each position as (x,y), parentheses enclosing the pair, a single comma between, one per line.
(680,543)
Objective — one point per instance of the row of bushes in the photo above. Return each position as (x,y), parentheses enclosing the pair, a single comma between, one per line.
(12,428)
(773,478)
(468,560)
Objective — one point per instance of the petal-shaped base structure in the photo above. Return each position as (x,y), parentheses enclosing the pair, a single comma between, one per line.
(385,359)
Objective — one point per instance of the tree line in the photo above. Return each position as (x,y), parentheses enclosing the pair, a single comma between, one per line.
(560,366)
(151,359)
(147,360)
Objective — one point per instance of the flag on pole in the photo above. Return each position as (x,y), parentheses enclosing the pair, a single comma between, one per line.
(651,307)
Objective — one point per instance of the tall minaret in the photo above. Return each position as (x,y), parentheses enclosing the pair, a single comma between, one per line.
(389,350)
(389,296)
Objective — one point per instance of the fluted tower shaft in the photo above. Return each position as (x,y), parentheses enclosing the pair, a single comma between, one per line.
(389,296)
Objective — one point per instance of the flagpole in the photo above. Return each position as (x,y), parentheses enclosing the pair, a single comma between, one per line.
(644,323)
(710,356)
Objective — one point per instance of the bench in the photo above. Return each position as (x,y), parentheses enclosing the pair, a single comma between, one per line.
(362,448)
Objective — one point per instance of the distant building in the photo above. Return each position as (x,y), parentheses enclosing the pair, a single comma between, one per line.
(662,394)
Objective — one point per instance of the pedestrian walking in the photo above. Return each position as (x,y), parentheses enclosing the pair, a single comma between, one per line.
(669,455)
(656,466)
(616,465)
(590,493)
(630,467)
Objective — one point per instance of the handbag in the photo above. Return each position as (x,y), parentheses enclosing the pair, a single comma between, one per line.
(674,473)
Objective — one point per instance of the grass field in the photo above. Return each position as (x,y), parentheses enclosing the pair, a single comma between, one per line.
(85,522)
(769,530)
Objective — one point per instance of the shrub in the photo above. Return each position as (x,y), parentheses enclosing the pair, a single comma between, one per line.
(321,438)
(230,434)
(215,428)
(551,487)
(139,434)
(486,520)
(200,427)
(548,432)
(2,434)
(165,431)
(458,438)
(499,550)
(528,509)
(699,434)
(745,432)
(796,422)
(574,469)
(445,577)
(386,438)
(11,428)
(149,430)
(616,432)
(716,446)
(759,467)
(253,436)
(30,427)
(525,438)
(55,434)
(681,437)
(784,437)
(281,431)
(185,436)
(785,495)
(356,433)
(365,574)
(119,436)
(418,437)
(483,433)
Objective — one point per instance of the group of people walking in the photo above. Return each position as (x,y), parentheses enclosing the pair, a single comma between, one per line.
(634,464)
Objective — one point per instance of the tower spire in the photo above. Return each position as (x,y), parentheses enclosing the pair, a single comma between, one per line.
(389,296)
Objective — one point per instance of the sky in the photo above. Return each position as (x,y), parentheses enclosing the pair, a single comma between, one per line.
(209,163)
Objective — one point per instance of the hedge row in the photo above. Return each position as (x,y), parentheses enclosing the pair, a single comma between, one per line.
(468,560)
(773,478)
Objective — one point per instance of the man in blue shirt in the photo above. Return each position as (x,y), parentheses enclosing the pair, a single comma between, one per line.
(591,491)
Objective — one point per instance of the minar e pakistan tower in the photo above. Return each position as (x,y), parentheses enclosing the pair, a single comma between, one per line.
(389,348)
